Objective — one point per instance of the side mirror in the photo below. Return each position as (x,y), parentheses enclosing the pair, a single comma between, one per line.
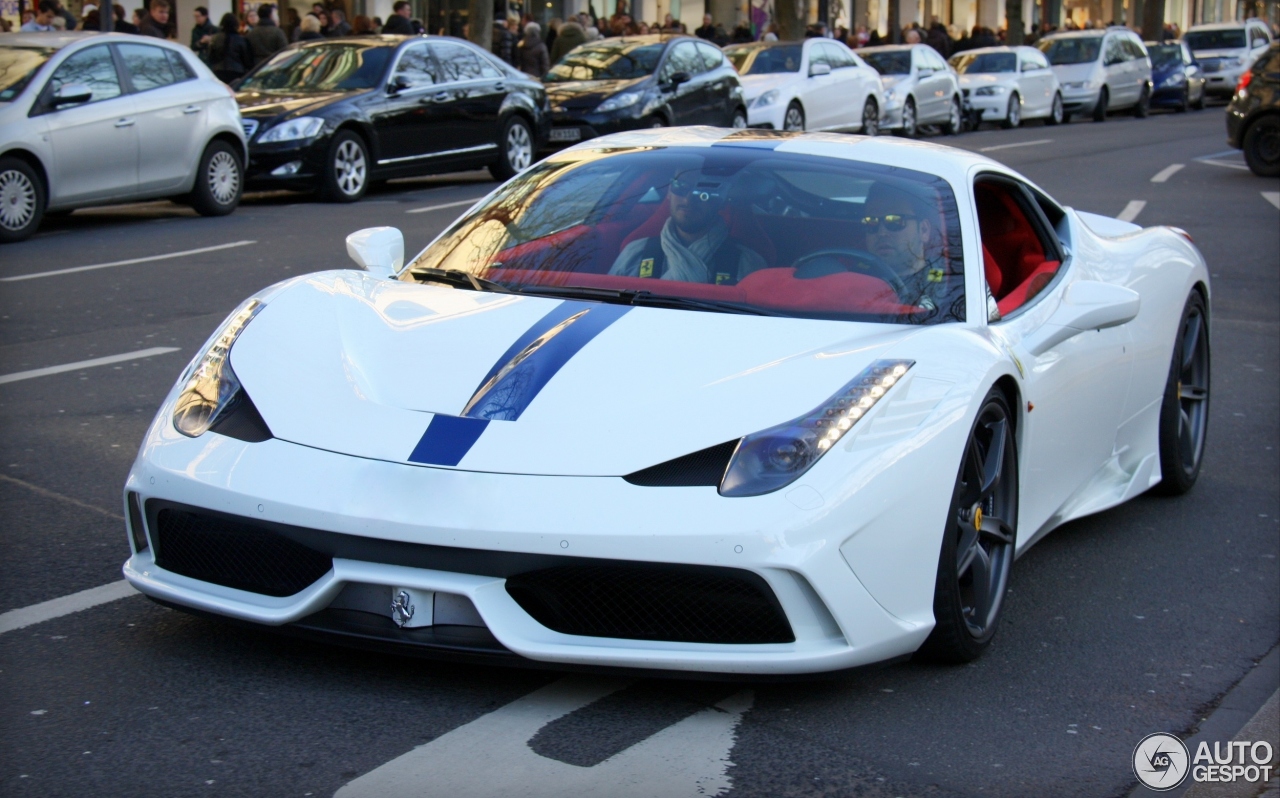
(377,250)
(819,69)
(1087,305)
(398,84)
(677,78)
(72,93)
(925,72)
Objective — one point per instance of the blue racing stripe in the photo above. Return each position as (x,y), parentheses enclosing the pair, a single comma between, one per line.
(447,440)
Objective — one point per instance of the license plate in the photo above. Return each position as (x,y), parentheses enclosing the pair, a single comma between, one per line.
(565,134)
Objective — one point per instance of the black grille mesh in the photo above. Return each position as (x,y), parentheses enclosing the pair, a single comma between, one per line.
(704,467)
(671,603)
(233,554)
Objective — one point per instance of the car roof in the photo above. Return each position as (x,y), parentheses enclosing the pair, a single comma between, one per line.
(46,39)
(1076,34)
(651,38)
(888,48)
(1003,48)
(1220,26)
(766,45)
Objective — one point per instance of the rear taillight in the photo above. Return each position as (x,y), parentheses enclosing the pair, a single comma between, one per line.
(1244,81)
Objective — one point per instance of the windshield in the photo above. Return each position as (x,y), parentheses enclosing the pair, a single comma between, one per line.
(1215,39)
(607,60)
(890,63)
(743,229)
(327,67)
(984,63)
(1074,50)
(765,60)
(1163,55)
(17,66)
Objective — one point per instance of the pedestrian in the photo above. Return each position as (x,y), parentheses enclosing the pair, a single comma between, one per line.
(230,55)
(531,54)
(68,19)
(90,20)
(156,22)
(874,39)
(504,41)
(398,23)
(309,28)
(121,26)
(770,33)
(42,21)
(266,38)
(338,25)
(708,29)
(912,36)
(202,33)
(553,30)
(571,35)
(362,26)
(937,39)
(291,24)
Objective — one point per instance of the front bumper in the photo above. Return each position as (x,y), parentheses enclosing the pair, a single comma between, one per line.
(587,126)
(1222,84)
(993,107)
(308,154)
(1169,95)
(1076,101)
(768,117)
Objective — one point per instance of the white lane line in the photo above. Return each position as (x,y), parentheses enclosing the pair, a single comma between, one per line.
(129,262)
(1213,162)
(1132,210)
(1016,144)
(490,755)
(1273,197)
(85,364)
(56,608)
(445,205)
(1169,171)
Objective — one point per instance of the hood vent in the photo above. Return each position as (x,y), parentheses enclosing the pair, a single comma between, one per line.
(699,469)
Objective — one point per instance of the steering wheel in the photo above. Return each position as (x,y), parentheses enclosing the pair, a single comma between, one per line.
(812,265)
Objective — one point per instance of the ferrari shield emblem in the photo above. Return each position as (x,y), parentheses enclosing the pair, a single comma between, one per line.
(935,275)
(722,278)
(646,267)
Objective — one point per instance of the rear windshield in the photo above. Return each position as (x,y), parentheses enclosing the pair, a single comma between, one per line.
(891,63)
(17,66)
(1074,50)
(1215,39)
(765,60)
(985,63)
(729,229)
(607,60)
(327,67)
(1163,55)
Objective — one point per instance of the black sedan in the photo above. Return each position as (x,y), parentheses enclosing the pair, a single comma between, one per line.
(333,116)
(642,81)
(1253,117)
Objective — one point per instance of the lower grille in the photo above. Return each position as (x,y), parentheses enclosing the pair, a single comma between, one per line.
(243,556)
(682,604)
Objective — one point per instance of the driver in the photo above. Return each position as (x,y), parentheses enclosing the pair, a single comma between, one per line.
(901,231)
(694,246)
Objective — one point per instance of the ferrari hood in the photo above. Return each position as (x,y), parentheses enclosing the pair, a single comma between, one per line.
(493,382)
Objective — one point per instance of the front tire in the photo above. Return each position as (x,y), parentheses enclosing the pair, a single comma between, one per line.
(739,121)
(1262,146)
(1013,115)
(346,177)
(1184,412)
(22,200)
(1100,110)
(909,127)
(955,120)
(1056,115)
(978,543)
(870,118)
(219,180)
(515,149)
(794,118)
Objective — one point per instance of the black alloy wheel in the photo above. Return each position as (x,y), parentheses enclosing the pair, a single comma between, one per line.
(21,200)
(347,176)
(1262,146)
(515,149)
(978,543)
(219,180)
(909,128)
(1013,115)
(654,122)
(1143,108)
(1184,413)
(1056,115)
(1100,110)
(870,118)
(955,119)
(794,118)
(739,121)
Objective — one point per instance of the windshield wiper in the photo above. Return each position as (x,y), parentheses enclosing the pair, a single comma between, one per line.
(460,279)
(647,299)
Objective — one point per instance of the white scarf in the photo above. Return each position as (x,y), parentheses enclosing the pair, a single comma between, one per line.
(691,263)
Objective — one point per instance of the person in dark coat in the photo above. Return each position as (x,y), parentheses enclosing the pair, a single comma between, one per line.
(504,42)
(571,35)
(156,23)
(938,39)
(230,55)
(309,28)
(123,26)
(532,57)
(266,38)
(398,23)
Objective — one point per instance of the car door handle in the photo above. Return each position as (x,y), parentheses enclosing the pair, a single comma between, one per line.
(442,96)
(124,122)
(191,109)
(499,87)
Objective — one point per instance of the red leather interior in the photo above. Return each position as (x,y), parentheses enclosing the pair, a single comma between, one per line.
(1025,291)
(994,277)
(1014,259)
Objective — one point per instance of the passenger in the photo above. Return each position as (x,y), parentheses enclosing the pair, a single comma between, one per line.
(903,233)
(694,246)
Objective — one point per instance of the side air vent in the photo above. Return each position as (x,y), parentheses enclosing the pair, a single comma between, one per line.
(242,421)
(702,468)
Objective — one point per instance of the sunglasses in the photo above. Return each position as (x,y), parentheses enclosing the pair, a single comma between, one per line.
(893,222)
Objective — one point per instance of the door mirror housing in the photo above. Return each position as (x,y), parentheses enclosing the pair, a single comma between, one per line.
(1087,305)
(925,71)
(819,69)
(398,84)
(72,93)
(676,79)
(378,250)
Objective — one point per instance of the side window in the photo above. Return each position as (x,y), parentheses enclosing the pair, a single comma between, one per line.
(416,67)
(839,57)
(937,61)
(458,63)
(1114,52)
(682,58)
(1136,51)
(712,58)
(148,66)
(181,69)
(1019,260)
(818,55)
(92,67)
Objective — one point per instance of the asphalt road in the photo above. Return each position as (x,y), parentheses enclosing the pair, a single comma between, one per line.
(1129,622)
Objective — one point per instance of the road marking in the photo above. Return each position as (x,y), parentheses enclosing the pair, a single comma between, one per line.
(445,205)
(1132,210)
(84,364)
(491,756)
(129,262)
(1169,171)
(1273,197)
(1016,144)
(56,608)
(48,494)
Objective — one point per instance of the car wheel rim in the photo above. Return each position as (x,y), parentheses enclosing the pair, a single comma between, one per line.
(794,120)
(1057,110)
(985,518)
(519,147)
(909,120)
(870,120)
(1267,145)
(17,200)
(1193,391)
(655,124)
(955,116)
(739,121)
(224,177)
(1015,111)
(349,168)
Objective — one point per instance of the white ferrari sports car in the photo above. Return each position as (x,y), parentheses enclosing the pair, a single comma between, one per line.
(687,400)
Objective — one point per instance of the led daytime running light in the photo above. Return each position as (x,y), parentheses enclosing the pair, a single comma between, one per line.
(212,384)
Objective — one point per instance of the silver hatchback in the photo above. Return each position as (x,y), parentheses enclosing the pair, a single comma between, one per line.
(92,119)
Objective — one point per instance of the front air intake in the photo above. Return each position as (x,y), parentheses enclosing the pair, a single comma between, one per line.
(704,467)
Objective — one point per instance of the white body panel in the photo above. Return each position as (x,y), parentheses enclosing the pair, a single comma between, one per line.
(931,87)
(1033,86)
(833,101)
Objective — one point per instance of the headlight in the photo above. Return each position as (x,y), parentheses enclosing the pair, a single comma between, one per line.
(618,102)
(768,98)
(1075,84)
(304,127)
(1176,79)
(890,94)
(989,91)
(1232,62)
(213,384)
(773,458)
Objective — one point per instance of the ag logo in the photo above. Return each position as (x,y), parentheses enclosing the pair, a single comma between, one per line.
(1160,761)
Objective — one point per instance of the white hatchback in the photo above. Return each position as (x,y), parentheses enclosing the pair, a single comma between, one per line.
(91,119)
(817,84)
(1009,84)
(919,88)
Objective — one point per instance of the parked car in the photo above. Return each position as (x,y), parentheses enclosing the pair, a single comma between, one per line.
(334,115)
(816,84)
(1100,71)
(1176,75)
(634,82)
(1009,84)
(1225,51)
(91,119)
(919,88)
(1253,117)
